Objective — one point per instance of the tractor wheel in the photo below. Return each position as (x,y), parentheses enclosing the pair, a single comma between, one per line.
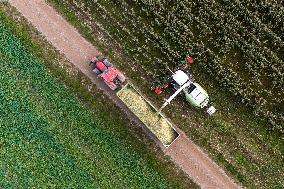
(121,77)
(97,71)
(93,65)
(112,87)
(107,63)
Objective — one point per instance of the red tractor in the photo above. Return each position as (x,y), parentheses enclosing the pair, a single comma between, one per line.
(104,69)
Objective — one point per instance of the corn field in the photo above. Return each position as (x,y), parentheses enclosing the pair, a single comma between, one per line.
(234,41)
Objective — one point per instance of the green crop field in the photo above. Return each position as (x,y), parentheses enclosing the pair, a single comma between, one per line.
(238,53)
(51,138)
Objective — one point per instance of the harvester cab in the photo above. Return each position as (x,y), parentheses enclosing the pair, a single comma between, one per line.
(193,92)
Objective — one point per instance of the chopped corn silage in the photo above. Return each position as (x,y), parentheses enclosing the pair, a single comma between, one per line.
(155,122)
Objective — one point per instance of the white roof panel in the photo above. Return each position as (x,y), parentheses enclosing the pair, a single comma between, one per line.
(180,77)
(198,95)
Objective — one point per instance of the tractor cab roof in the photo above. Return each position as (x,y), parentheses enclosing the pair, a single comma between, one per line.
(109,74)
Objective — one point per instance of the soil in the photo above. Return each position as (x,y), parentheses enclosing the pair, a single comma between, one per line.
(189,157)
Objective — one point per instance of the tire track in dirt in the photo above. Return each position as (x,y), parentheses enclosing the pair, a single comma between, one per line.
(78,51)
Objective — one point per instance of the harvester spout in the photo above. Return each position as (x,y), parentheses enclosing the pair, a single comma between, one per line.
(174,95)
(164,105)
